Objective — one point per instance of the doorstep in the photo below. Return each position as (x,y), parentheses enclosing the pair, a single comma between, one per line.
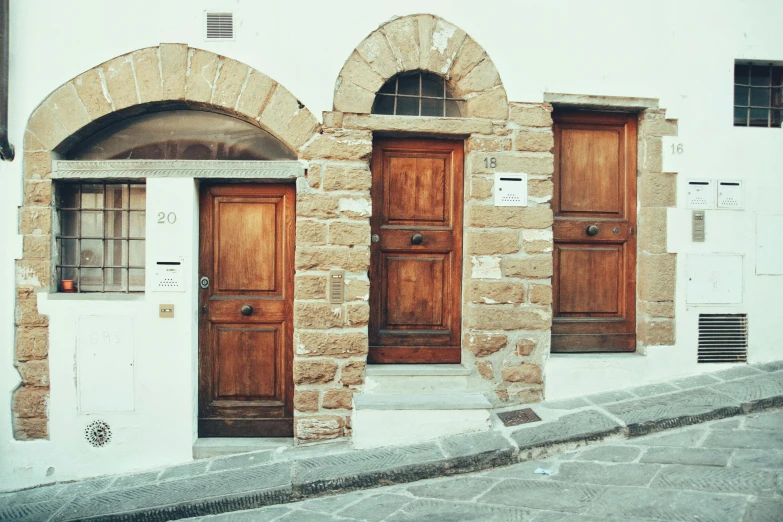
(208,447)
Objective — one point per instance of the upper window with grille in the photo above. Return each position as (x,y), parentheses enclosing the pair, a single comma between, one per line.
(100,236)
(758,95)
(417,94)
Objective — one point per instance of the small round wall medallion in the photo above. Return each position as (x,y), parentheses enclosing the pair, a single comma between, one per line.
(98,433)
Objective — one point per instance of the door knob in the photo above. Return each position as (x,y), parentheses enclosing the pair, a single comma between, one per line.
(416,239)
(246,310)
(592,230)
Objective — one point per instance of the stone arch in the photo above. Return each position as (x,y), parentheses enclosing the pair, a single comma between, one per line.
(428,43)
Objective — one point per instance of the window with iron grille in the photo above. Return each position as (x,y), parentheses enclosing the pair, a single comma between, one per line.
(417,94)
(100,236)
(758,95)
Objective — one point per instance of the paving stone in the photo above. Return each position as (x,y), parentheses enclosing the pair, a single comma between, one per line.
(589,424)
(728,424)
(262,484)
(445,511)
(84,487)
(694,456)
(764,510)
(612,396)
(550,495)
(188,470)
(668,505)
(334,503)
(267,514)
(653,389)
(566,404)
(311,451)
(479,450)
(737,372)
(765,387)
(756,439)
(526,470)
(137,479)
(375,509)
(28,496)
(687,437)
(246,460)
(609,454)
(32,512)
(459,488)
(767,421)
(718,480)
(674,409)
(300,516)
(757,459)
(607,474)
(774,366)
(696,381)
(553,516)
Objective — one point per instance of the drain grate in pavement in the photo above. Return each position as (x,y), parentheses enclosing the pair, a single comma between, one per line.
(517,417)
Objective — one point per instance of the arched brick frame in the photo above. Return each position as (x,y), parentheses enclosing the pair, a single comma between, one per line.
(428,43)
(127,83)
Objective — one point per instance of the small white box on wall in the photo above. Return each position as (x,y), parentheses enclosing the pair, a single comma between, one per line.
(714,279)
(510,189)
(168,276)
(699,194)
(730,194)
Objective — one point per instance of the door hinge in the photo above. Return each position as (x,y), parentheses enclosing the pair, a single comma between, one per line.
(632,231)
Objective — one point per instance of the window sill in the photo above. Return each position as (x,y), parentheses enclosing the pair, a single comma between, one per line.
(62,296)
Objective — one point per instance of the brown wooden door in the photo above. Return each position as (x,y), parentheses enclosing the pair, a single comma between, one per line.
(415,289)
(246,357)
(594,281)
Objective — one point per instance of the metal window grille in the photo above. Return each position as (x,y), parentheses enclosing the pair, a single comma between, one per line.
(758,95)
(101,236)
(417,94)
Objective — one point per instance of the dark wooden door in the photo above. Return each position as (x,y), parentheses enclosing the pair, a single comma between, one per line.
(594,203)
(246,312)
(415,287)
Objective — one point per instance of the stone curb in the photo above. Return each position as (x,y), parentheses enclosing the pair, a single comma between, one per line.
(298,477)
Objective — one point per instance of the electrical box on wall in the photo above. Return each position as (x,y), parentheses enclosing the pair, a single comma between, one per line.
(510,189)
(714,279)
(168,277)
(730,194)
(699,193)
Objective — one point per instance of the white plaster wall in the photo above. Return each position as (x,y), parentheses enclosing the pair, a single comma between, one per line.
(679,52)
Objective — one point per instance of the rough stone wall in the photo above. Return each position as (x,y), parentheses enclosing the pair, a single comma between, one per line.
(156,74)
(656,269)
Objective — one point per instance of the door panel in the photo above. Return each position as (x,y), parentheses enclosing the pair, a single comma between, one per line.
(594,283)
(415,288)
(245,359)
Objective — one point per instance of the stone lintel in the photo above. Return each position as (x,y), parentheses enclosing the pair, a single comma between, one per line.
(612,103)
(209,169)
(429,125)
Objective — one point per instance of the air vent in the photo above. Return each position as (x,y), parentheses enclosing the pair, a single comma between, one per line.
(98,433)
(723,338)
(220,26)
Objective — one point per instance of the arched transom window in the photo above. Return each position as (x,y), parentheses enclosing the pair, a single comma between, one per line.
(417,94)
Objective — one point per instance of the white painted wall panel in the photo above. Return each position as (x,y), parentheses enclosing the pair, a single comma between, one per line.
(714,279)
(105,364)
(769,244)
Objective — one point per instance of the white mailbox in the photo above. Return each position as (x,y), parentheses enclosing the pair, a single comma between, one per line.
(699,194)
(168,276)
(510,189)
(730,193)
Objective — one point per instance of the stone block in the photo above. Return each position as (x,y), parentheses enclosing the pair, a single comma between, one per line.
(31,343)
(652,230)
(35,220)
(31,402)
(485,216)
(332,119)
(540,188)
(37,166)
(716,479)
(322,427)
(541,294)
(337,176)
(753,389)
(66,105)
(358,71)
(310,287)
(339,145)
(280,110)
(200,81)
(503,292)
(146,65)
(469,56)
(314,371)
(317,315)
(656,333)
(30,429)
(481,188)
(256,94)
(544,495)
(531,114)
(38,193)
(534,141)
(376,52)
(349,97)
(483,77)
(482,345)
(650,156)
(525,347)
(352,373)
(358,314)
(650,390)
(402,34)
(656,276)
(437,53)
(607,474)
(174,67)
(306,400)
(338,399)
(484,369)
(654,123)
(537,246)
(541,163)
(585,425)
(327,258)
(492,104)
(230,80)
(534,267)
(314,174)
(27,309)
(89,87)
(387,124)
(527,373)
(46,127)
(658,189)
(120,81)
(501,242)
(310,233)
(349,233)
(610,454)
(340,345)
(317,205)
(34,373)
(357,289)
(483,317)
(300,129)
(525,394)
(488,144)
(37,247)
(33,273)
(687,456)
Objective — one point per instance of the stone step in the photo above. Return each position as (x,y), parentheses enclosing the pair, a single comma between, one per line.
(407,418)
(416,378)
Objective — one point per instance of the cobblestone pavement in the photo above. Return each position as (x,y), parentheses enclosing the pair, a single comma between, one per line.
(725,470)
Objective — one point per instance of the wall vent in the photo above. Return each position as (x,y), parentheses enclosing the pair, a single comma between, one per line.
(98,433)
(723,338)
(220,26)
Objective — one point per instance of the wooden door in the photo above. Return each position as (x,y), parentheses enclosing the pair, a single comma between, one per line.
(246,311)
(594,283)
(416,253)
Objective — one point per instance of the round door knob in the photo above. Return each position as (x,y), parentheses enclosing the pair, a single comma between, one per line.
(416,239)
(592,230)
(246,310)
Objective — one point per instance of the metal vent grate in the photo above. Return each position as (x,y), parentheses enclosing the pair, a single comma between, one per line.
(723,338)
(220,26)
(98,433)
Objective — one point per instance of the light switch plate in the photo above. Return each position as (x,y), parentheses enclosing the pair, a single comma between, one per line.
(166,311)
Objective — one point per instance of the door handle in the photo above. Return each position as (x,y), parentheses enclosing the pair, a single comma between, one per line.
(592,230)
(416,239)
(246,310)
